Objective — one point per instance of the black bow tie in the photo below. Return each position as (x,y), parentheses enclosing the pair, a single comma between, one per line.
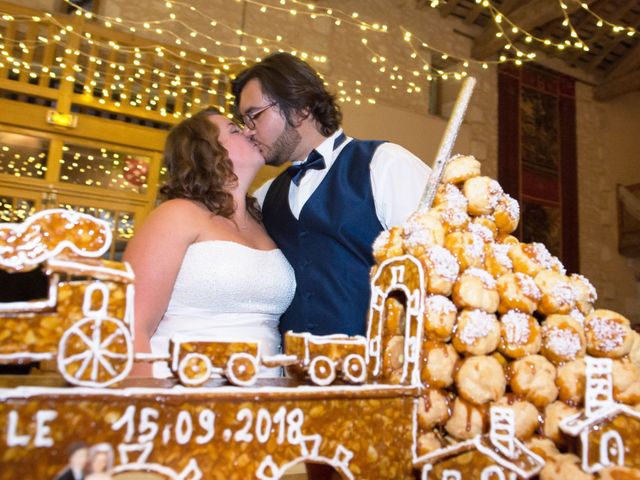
(315,161)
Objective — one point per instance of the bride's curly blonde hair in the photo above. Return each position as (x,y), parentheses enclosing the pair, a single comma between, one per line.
(199,167)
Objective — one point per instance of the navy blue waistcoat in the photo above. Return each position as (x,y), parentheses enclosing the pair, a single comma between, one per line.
(329,246)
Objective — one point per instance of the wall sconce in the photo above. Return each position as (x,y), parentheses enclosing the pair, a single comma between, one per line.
(66,120)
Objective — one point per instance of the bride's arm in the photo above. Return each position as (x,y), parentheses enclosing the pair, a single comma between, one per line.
(155,254)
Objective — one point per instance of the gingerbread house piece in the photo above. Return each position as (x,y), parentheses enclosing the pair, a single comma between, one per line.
(498,454)
(607,432)
(401,276)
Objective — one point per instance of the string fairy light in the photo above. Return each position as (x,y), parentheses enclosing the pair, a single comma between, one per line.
(199,63)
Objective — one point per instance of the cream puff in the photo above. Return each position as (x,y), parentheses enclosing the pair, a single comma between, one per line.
(570,379)
(450,196)
(554,413)
(558,296)
(467,247)
(476,289)
(506,214)
(439,317)
(609,334)
(534,379)
(483,194)
(452,219)
(525,414)
(467,420)
(460,168)
(530,258)
(480,379)
(586,294)
(518,291)
(421,231)
(563,339)
(476,333)
(496,259)
(388,244)
(519,334)
(441,270)
(439,363)
(433,409)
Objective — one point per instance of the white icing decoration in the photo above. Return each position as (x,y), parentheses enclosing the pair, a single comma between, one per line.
(144,450)
(42,437)
(607,450)
(34,253)
(322,370)
(201,377)
(599,406)
(355,368)
(599,385)
(237,364)
(14,439)
(503,431)
(97,353)
(492,472)
(414,310)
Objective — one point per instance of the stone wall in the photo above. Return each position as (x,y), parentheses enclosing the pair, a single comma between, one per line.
(608,154)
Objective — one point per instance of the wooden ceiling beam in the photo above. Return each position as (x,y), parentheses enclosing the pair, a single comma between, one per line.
(527,16)
(621,85)
(473,13)
(601,37)
(446,9)
(630,61)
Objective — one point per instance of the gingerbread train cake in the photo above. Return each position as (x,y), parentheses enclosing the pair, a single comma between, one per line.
(507,342)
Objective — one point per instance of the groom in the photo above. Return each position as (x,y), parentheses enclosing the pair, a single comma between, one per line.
(325,210)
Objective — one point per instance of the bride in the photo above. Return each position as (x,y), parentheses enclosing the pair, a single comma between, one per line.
(203,262)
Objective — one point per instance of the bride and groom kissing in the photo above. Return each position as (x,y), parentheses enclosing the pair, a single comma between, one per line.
(214,261)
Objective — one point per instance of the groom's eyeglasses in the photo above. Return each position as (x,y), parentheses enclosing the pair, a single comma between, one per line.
(249,119)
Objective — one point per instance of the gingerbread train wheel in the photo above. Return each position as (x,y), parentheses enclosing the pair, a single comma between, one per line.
(322,370)
(242,369)
(194,369)
(95,352)
(354,369)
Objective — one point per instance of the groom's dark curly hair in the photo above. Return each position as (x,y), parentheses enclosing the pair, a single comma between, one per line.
(296,87)
(199,168)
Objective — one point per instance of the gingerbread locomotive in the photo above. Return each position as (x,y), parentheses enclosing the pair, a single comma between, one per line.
(482,359)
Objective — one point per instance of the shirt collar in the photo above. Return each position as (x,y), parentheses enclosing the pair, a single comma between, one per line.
(326,148)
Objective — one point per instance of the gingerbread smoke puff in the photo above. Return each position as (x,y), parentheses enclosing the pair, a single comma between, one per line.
(506,327)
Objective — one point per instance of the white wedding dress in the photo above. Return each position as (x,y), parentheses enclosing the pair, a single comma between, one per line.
(227,291)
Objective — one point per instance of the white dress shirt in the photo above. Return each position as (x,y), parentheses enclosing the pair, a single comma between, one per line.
(398,179)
